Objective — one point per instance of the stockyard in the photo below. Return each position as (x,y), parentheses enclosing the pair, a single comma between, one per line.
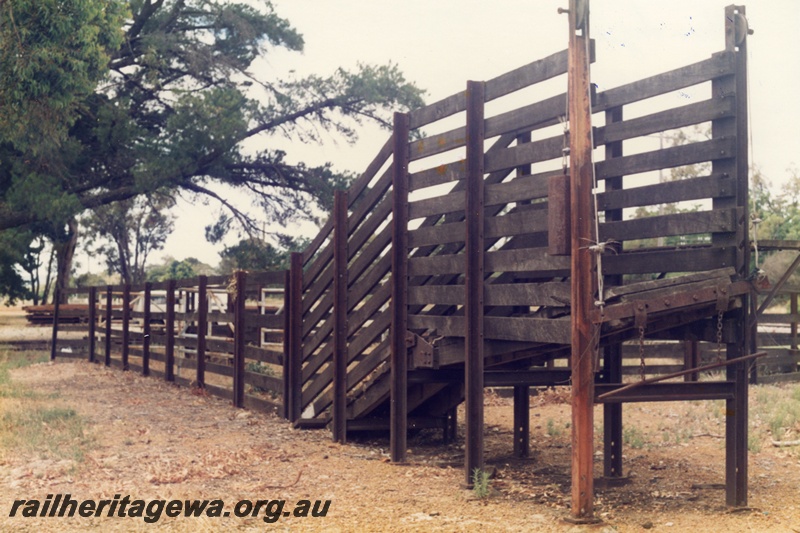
(479,338)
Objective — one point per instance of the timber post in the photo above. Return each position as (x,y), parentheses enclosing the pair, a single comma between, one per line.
(584,343)
(169,330)
(239,327)
(339,426)
(398,410)
(202,329)
(148,290)
(473,308)
(54,340)
(126,324)
(109,317)
(92,323)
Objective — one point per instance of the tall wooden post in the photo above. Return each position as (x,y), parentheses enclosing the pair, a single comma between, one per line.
(56,318)
(340,317)
(109,318)
(92,323)
(473,308)
(736,32)
(202,327)
(295,355)
(126,324)
(169,329)
(287,310)
(584,347)
(239,338)
(398,410)
(148,290)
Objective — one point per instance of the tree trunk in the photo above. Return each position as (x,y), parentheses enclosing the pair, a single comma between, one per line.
(65,252)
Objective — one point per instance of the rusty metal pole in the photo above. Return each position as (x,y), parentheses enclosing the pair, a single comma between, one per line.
(584,345)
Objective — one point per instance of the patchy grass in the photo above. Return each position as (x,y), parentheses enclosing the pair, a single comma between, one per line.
(29,423)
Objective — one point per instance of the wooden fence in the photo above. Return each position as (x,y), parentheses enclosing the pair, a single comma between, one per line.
(224,334)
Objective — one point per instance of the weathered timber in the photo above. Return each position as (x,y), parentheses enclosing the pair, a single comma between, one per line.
(689,259)
(676,156)
(718,65)
(444,173)
(518,189)
(714,186)
(721,220)
(558,215)
(677,117)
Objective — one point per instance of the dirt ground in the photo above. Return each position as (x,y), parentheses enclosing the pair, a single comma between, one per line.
(152,440)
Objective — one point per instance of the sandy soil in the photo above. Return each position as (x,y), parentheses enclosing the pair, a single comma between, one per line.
(155,440)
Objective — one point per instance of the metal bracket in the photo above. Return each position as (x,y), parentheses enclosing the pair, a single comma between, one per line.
(640,315)
(421,352)
(723,299)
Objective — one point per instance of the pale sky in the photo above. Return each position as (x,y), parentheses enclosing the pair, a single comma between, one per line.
(440,44)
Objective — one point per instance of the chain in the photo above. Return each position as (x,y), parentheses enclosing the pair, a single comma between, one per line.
(641,353)
(719,336)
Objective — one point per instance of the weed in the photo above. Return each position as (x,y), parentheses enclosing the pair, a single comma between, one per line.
(552,429)
(31,425)
(480,483)
(633,437)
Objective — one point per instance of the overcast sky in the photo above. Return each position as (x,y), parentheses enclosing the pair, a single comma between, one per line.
(440,44)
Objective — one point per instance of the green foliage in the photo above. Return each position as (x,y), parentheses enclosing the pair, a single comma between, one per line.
(171,268)
(127,232)
(52,54)
(257,254)
(481,483)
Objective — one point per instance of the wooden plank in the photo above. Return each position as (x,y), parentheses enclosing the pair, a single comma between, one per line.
(525,329)
(264,278)
(365,233)
(675,156)
(370,280)
(527,260)
(670,260)
(532,152)
(126,324)
(313,249)
(558,215)
(694,222)
(359,316)
(436,294)
(443,108)
(436,265)
(516,223)
(264,381)
(540,114)
(318,314)
(528,294)
(437,144)
(92,323)
(439,234)
(263,405)
(257,321)
(718,65)
(671,191)
(265,355)
(530,74)
(370,254)
(319,268)
(315,290)
(438,205)
(444,173)
(315,340)
(645,287)
(361,183)
(369,334)
(146,330)
(518,189)
(678,117)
